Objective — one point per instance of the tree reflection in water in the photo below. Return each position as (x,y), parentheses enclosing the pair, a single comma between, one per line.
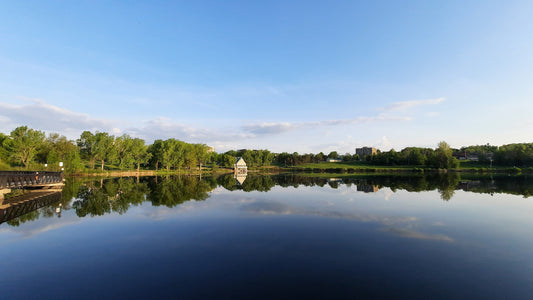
(175,190)
(117,195)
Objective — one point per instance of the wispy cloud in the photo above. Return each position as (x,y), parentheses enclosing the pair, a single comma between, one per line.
(281,127)
(384,143)
(404,105)
(38,114)
(271,127)
(164,128)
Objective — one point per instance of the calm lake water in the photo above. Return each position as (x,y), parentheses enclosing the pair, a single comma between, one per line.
(412,237)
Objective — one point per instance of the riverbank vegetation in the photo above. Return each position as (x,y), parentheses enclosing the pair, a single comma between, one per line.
(100,152)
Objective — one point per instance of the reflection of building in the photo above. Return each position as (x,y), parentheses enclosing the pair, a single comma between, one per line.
(240,178)
(366,151)
(367,188)
(466,185)
(240,168)
(334,179)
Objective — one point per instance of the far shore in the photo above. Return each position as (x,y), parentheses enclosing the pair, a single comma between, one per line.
(326,168)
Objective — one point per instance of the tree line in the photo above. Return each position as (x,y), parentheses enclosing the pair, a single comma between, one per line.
(26,147)
(441,157)
(518,154)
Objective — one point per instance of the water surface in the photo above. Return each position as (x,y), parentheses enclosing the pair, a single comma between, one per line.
(283,237)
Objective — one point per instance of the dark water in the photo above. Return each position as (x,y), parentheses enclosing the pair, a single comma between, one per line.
(411,237)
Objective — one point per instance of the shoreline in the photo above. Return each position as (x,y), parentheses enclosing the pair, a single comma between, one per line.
(308,170)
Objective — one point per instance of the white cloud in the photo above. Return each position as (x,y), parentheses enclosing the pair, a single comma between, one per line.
(432,114)
(281,127)
(271,128)
(384,143)
(404,105)
(40,115)
(163,128)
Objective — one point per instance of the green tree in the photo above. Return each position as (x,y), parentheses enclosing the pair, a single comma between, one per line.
(87,145)
(320,157)
(123,149)
(416,158)
(248,158)
(267,157)
(58,148)
(103,147)
(23,144)
(172,153)
(156,151)
(228,160)
(202,153)
(333,154)
(3,151)
(139,152)
(347,157)
(443,156)
(189,156)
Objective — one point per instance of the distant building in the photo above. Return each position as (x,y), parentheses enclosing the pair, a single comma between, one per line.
(487,156)
(366,151)
(460,155)
(333,160)
(210,149)
(240,168)
(473,157)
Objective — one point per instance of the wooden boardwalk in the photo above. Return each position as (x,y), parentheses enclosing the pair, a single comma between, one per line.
(36,190)
(23,179)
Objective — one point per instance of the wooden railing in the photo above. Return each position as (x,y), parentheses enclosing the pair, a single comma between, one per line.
(21,179)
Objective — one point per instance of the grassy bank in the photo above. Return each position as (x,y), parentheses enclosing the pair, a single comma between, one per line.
(353,167)
(363,167)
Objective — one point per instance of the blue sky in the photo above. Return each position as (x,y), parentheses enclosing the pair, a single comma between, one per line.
(302,76)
